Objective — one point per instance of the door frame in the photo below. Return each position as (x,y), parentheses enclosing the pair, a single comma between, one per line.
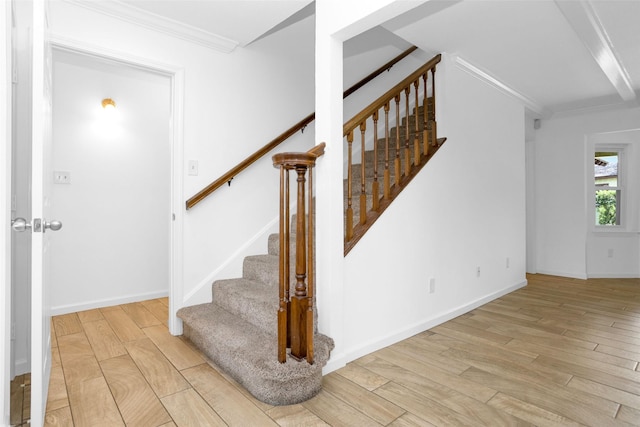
(5,210)
(176,125)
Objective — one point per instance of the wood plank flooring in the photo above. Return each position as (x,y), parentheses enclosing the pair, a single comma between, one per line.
(560,352)
(20,411)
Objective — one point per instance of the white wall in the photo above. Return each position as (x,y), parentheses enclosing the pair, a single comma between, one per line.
(465,210)
(566,244)
(115,208)
(221,128)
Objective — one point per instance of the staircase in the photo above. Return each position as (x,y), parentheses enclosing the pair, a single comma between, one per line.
(261,329)
(237,331)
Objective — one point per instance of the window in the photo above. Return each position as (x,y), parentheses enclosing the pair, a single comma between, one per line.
(608,187)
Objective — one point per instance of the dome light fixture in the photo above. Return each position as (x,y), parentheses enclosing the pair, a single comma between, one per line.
(108,103)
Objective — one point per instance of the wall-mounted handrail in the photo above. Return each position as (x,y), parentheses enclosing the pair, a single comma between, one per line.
(248,161)
(228,176)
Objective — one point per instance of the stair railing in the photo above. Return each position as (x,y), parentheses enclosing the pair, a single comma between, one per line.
(421,131)
(295,312)
(300,126)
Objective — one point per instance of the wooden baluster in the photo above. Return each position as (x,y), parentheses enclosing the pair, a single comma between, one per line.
(283,309)
(287,258)
(309,324)
(434,124)
(425,112)
(396,168)
(407,156)
(416,142)
(387,177)
(363,190)
(375,190)
(349,220)
(299,302)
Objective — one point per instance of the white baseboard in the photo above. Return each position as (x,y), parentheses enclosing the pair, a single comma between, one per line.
(582,276)
(341,359)
(613,276)
(21,366)
(336,361)
(89,305)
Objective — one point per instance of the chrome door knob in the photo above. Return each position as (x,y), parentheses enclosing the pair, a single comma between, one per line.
(20,224)
(54,225)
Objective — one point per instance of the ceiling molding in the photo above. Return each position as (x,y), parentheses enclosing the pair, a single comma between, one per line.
(591,106)
(493,81)
(586,23)
(134,15)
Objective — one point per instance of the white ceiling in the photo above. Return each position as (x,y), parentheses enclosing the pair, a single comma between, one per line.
(239,20)
(555,55)
(558,55)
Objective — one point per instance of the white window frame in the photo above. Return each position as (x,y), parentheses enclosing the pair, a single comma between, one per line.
(622,207)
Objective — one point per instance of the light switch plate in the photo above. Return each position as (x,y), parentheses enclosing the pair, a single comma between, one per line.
(193,167)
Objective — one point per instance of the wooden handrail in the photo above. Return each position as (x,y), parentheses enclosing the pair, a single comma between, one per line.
(390,94)
(412,127)
(376,73)
(248,161)
(231,173)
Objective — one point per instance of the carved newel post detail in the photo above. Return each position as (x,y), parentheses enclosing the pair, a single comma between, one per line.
(295,312)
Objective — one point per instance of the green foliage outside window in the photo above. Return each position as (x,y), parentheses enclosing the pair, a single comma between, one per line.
(606,201)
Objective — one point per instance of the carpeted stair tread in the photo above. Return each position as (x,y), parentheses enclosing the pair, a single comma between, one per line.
(262,268)
(251,300)
(249,355)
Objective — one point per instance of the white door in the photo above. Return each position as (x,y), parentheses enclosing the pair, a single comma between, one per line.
(5,210)
(41,223)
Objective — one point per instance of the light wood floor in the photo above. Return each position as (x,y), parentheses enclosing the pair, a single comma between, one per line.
(558,352)
(20,411)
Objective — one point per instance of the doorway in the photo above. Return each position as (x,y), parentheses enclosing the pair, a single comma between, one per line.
(111,183)
(167,84)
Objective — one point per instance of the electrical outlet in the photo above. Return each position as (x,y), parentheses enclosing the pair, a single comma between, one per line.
(610,253)
(432,285)
(62,177)
(507,262)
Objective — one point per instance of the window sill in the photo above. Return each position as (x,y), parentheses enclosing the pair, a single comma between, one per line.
(614,231)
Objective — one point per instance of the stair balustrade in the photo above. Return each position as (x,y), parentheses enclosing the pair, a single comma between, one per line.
(300,126)
(295,312)
(414,126)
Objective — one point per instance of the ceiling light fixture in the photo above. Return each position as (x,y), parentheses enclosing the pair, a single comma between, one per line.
(108,103)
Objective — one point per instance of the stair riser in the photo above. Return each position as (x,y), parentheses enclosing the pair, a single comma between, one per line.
(258,308)
(262,270)
(248,355)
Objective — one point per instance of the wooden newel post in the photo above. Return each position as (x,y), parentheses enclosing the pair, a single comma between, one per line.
(295,312)
(299,300)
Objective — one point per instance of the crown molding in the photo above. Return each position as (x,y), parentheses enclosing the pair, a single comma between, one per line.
(495,82)
(592,106)
(137,16)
